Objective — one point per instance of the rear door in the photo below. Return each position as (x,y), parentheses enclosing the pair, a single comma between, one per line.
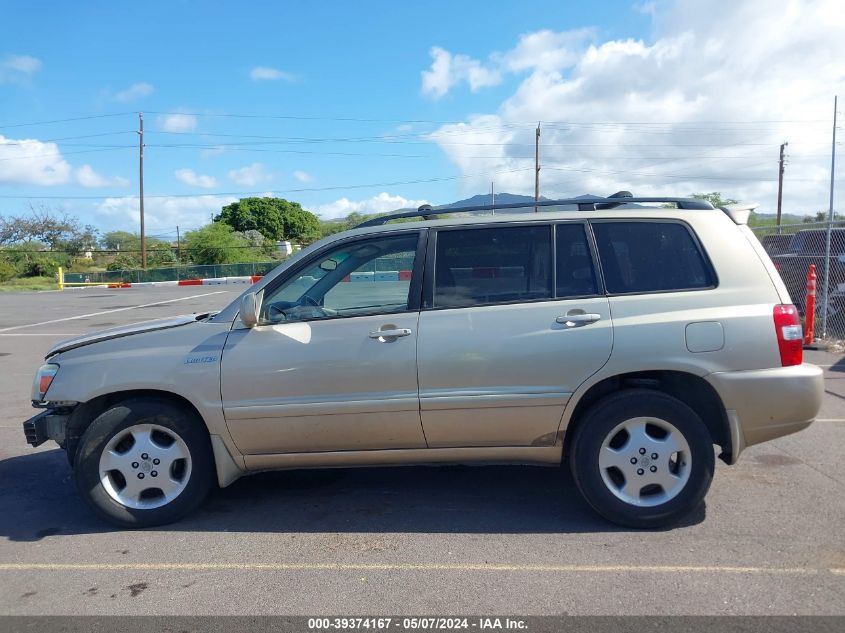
(513,320)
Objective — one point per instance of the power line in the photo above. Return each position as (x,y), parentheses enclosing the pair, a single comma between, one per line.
(79,118)
(674,176)
(64,138)
(254,193)
(411,121)
(441,122)
(84,151)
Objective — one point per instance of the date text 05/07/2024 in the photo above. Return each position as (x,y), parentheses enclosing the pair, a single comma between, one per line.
(416,623)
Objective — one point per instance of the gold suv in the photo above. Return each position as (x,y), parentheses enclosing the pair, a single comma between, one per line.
(625,336)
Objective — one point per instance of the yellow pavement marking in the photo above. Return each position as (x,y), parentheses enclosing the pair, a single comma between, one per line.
(407,567)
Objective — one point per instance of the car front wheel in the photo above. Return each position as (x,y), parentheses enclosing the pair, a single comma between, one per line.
(144,462)
(642,458)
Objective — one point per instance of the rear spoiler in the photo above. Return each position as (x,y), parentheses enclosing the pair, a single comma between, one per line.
(740,212)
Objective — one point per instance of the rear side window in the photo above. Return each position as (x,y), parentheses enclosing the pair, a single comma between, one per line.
(495,265)
(650,257)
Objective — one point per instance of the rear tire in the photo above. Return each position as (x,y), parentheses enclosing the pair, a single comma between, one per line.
(144,462)
(642,459)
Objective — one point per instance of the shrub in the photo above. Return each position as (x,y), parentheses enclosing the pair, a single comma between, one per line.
(7,271)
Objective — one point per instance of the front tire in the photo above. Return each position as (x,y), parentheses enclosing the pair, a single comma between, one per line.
(144,462)
(642,458)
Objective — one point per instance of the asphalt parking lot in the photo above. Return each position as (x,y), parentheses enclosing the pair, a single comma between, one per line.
(446,540)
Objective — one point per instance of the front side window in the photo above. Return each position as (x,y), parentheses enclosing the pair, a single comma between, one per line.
(492,265)
(358,278)
(650,257)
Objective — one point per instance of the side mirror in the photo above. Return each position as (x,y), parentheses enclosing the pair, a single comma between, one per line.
(250,305)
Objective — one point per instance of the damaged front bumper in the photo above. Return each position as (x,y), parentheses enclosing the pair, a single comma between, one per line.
(50,424)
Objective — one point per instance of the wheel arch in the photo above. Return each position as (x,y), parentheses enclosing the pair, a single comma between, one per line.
(86,412)
(690,389)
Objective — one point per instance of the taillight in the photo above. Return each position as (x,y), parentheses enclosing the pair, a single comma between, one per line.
(790,336)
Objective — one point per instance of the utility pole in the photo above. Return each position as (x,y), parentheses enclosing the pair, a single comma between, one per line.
(493,197)
(537,168)
(780,182)
(829,226)
(178,248)
(141,187)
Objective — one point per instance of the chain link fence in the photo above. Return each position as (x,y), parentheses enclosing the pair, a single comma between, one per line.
(175,273)
(250,269)
(793,248)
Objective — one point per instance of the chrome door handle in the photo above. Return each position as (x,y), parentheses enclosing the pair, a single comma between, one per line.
(578,319)
(391,333)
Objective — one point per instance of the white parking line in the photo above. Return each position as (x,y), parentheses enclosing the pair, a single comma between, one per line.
(53,334)
(93,314)
(68,334)
(494,567)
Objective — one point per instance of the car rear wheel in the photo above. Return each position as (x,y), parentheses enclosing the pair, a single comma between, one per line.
(144,462)
(642,458)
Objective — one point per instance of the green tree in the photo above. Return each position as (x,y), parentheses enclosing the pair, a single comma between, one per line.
(219,243)
(275,218)
(715,198)
(57,230)
(159,252)
(821,216)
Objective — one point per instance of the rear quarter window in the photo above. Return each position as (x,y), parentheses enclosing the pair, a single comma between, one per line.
(641,257)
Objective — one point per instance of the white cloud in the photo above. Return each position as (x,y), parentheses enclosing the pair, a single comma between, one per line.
(302,176)
(265,73)
(542,50)
(545,50)
(87,177)
(177,122)
(700,106)
(250,175)
(193,179)
(382,203)
(18,67)
(32,162)
(134,92)
(449,70)
(185,212)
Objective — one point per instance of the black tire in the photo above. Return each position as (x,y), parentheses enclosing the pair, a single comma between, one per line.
(119,417)
(603,418)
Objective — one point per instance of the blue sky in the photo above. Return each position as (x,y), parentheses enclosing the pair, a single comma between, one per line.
(631,76)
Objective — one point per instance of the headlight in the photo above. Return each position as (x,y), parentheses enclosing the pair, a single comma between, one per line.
(43,379)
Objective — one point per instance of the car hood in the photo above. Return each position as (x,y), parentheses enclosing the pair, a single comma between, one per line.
(124,330)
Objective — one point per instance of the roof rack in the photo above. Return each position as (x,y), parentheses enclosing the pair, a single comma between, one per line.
(588,203)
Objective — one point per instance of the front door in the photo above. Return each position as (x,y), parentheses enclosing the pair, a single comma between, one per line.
(331,366)
(512,322)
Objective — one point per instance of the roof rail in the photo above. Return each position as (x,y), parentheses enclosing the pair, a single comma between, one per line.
(590,203)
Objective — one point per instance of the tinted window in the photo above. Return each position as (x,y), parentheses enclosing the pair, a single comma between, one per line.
(650,256)
(481,266)
(358,278)
(814,242)
(576,275)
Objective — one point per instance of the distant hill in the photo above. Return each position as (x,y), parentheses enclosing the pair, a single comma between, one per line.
(505,198)
(481,199)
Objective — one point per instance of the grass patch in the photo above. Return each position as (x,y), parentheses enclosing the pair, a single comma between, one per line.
(24,284)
